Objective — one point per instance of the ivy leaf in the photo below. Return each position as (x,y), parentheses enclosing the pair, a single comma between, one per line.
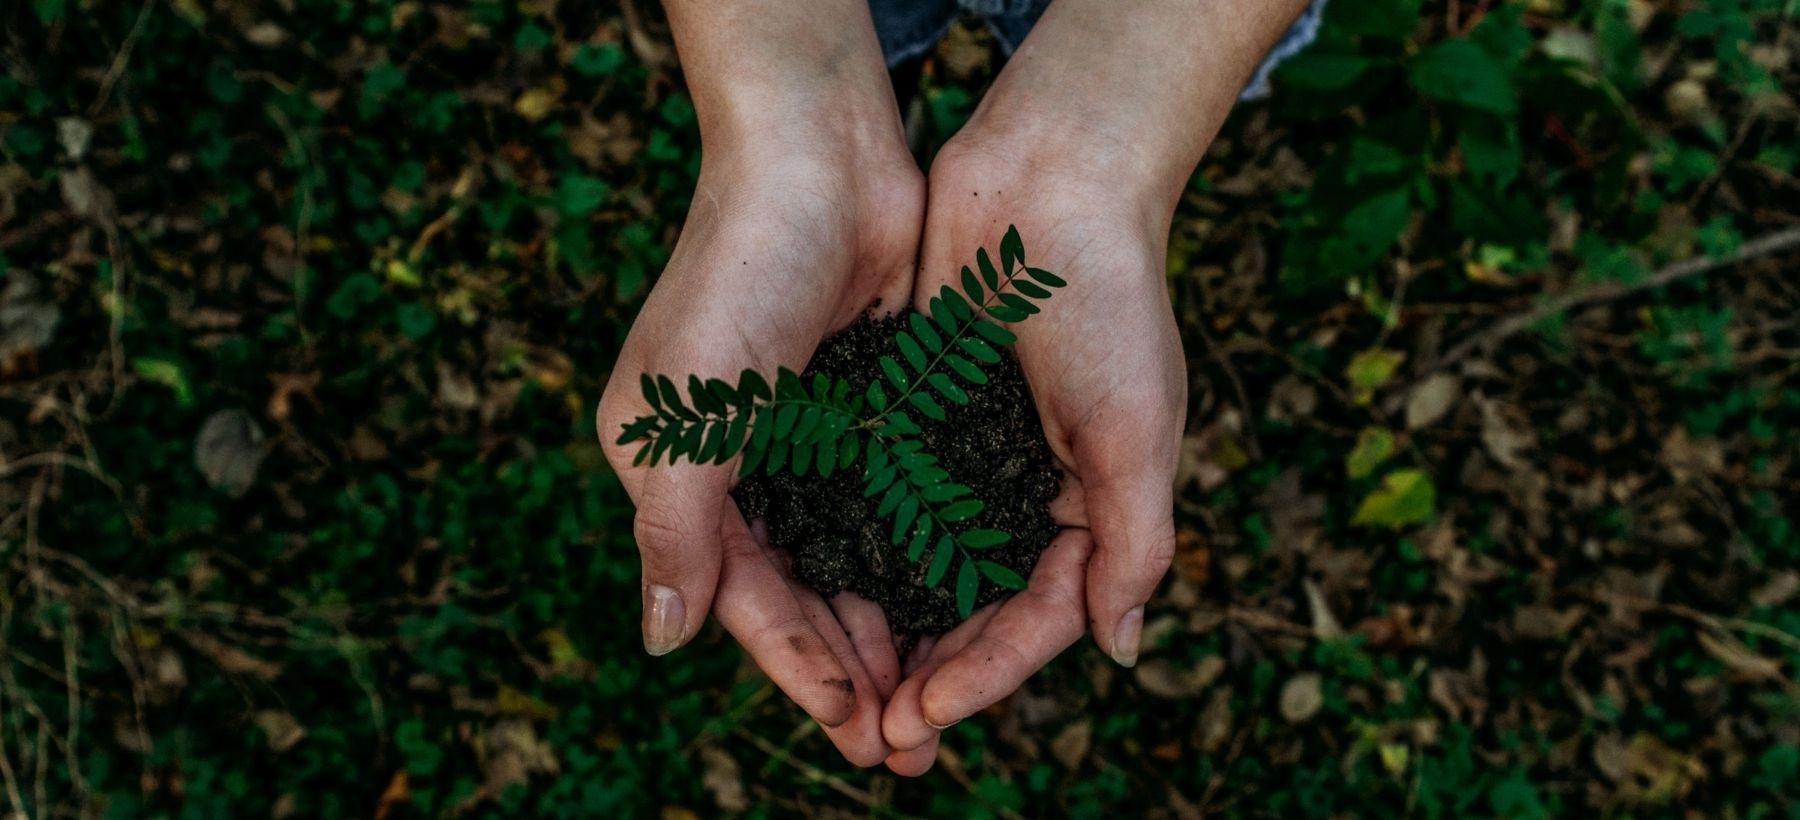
(967,584)
(1001,574)
(1373,446)
(1405,497)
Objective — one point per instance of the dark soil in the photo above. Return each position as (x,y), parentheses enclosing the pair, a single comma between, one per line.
(994,444)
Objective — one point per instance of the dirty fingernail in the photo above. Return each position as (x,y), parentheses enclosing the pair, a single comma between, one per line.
(1126,637)
(943,727)
(665,619)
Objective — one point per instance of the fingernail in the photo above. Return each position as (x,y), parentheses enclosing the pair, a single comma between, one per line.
(1126,637)
(943,727)
(665,619)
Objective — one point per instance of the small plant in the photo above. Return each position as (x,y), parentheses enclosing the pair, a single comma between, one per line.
(820,427)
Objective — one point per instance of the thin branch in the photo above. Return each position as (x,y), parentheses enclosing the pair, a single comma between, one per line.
(1776,242)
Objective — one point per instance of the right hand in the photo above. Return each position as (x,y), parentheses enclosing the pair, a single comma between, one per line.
(779,250)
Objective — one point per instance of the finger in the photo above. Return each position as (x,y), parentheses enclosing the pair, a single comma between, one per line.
(758,608)
(914,762)
(903,722)
(859,738)
(679,510)
(1069,507)
(867,627)
(1031,628)
(1131,513)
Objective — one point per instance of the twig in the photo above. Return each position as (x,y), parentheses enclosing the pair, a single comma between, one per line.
(811,772)
(121,58)
(1506,328)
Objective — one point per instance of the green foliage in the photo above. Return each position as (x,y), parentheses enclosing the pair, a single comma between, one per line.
(822,428)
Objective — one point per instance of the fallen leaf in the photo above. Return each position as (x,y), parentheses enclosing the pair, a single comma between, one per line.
(229,450)
(1371,369)
(1743,662)
(1302,697)
(723,779)
(1431,399)
(280,728)
(1162,678)
(1071,744)
(1373,446)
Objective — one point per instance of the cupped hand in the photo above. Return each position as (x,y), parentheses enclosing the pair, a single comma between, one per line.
(1105,367)
(778,251)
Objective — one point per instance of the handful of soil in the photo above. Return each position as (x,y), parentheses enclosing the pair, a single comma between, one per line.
(994,444)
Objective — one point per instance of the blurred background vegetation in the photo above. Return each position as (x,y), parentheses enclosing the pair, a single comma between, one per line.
(1488,505)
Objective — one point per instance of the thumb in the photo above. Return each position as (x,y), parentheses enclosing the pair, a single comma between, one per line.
(1128,484)
(677,532)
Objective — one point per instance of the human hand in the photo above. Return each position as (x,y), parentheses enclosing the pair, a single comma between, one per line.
(806,213)
(1105,367)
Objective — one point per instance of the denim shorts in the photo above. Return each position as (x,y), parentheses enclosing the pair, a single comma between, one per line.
(909,28)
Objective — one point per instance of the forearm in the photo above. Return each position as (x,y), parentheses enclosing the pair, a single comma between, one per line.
(1134,91)
(777,72)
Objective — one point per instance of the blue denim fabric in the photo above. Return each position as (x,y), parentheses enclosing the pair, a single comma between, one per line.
(909,28)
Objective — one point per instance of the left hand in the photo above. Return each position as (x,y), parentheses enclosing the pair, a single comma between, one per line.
(1105,366)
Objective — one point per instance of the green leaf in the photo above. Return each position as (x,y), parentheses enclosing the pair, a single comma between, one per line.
(939,493)
(785,416)
(848,450)
(895,374)
(809,421)
(703,399)
(1030,289)
(967,584)
(903,518)
(966,369)
(1461,72)
(940,562)
(1371,369)
(994,333)
(1001,574)
(752,387)
(825,458)
(724,392)
(642,453)
(778,451)
(800,459)
(663,445)
(1012,249)
(877,396)
(787,385)
(921,537)
(638,428)
(1405,497)
(927,405)
(909,347)
(962,510)
(1373,446)
(987,269)
(971,286)
(649,386)
(1006,314)
(1045,278)
(940,313)
(948,388)
(927,334)
(734,436)
(902,424)
(983,539)
(715,439)
(672,399)
(979,350)
(1019,303)
(821,386)
(891,500)
(959,307)
(879,481)
(691,441)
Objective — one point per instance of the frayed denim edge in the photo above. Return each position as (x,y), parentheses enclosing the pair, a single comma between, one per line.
(1298,37)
